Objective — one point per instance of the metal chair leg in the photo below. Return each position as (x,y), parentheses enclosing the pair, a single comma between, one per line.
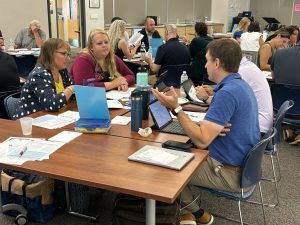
(262,203)
(240,212)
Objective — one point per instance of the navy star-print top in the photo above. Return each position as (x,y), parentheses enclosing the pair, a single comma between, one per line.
(39,92)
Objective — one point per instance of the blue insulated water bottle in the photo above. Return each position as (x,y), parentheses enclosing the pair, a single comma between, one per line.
(145,91)
(136,110)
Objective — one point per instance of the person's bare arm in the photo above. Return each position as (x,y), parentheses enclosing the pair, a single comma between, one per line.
(38,39)
(265,54)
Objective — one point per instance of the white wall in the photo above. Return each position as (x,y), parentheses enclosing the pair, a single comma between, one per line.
(94,17)
(16,14)
(223,11)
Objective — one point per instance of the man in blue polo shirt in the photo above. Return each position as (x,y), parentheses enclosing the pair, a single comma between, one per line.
(234,102)
(171,53)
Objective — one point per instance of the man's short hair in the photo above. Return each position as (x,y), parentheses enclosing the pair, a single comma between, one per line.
(171,29)
(36,23)
(148,18)
(228,52)
(254,27)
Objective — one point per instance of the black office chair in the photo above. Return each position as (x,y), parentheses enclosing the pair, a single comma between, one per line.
(250,177)
(281,93)
(3,95)
(173,75)
(11,104)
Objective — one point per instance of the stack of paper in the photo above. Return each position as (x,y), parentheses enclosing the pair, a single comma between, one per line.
(52,122)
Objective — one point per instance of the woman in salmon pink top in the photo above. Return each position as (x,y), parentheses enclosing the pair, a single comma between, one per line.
(97,66)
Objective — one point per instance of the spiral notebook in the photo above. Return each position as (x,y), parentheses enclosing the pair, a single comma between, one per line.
(93,110)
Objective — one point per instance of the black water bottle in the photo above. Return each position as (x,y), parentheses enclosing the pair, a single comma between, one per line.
(136,110)
(145,91)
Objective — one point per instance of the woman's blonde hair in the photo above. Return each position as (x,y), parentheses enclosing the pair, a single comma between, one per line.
(116,32)
(243,24)
(47,50)
(109,59)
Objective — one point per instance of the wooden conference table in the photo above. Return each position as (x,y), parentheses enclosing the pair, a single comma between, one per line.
(100,161)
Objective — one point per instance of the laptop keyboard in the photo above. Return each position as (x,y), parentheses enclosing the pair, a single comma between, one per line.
(174,128)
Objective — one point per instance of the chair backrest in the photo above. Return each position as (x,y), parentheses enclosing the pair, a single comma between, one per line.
(279,118)
(3,95)
(251,56)
(173,75)
(12,103)
(283,92)
(251,168)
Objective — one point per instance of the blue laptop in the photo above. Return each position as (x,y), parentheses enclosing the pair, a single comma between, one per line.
(93,110)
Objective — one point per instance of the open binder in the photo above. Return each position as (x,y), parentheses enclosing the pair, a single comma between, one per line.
(93,110)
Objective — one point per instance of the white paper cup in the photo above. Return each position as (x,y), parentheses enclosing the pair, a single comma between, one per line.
(26,125)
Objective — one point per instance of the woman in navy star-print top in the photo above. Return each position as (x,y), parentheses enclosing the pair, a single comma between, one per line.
(48,86)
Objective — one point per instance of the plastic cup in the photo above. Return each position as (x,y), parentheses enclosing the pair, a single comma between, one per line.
(26,125)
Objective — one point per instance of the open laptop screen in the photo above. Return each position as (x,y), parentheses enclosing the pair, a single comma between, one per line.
(160,114)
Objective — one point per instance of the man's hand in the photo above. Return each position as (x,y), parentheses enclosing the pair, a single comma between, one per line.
(201,92)
(209,90)
(170,100)
(34,28)
(225,130)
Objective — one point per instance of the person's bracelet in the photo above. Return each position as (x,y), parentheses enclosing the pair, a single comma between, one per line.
(71,89)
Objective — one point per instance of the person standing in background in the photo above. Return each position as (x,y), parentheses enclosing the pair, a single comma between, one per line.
(31,37)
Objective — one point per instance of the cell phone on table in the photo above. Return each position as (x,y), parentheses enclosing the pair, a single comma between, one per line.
(176,145)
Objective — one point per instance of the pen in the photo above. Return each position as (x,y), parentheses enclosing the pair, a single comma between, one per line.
(23,150)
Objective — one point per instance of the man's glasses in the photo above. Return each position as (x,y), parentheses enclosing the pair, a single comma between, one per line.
(65,54)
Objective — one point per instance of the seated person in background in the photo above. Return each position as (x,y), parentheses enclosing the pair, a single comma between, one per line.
(98,66)
(234,102)
(279,39)
(31,37)
(259,84)
(126,36)
(294,32)
(241,28)
(48,86)
(198,50)
(252,39)
(149,32)
(171,53)
(285,66)
(117,40)
(9,79)
(2,46)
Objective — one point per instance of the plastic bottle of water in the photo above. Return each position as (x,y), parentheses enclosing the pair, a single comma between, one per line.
(150,52)
(143,51)
(11,44)
(183,78)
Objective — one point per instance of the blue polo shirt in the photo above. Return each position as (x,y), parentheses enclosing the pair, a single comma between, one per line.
(234,102)
(172,53)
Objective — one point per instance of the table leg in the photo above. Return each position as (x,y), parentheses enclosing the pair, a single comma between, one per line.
(150,212)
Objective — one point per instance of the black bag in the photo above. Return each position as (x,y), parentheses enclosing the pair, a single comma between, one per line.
(130,210)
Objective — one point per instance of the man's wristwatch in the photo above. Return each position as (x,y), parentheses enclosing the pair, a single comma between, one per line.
(204,99)
(176,111)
